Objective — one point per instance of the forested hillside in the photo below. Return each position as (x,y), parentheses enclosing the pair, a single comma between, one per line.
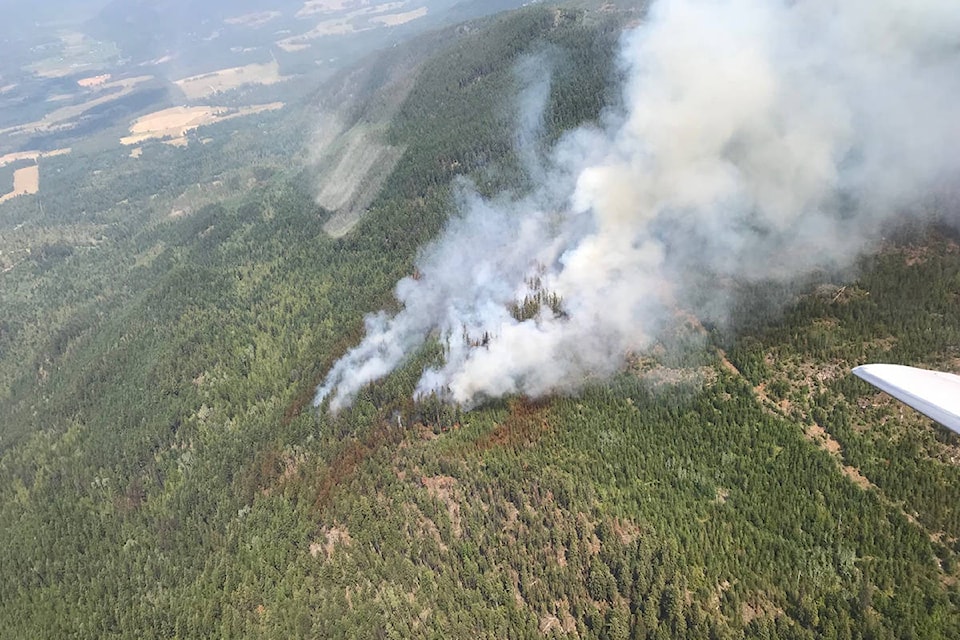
(163,473)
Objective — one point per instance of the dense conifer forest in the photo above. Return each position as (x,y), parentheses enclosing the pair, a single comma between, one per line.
(163,473)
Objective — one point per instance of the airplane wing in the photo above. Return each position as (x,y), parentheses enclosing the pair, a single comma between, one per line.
(935,394)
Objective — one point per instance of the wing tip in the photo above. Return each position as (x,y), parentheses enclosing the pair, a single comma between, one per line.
(901,382)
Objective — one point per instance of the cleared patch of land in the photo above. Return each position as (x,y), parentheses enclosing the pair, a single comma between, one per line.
(292,48)
(253,20)
(313,7)
(347,22)
(334,27)
(207,84)
(94,81)
(76,52)
(394,19)
(31,155)
(157,61)
(174,123)
(376,9)
(56,119)
(334,537)
(25,181)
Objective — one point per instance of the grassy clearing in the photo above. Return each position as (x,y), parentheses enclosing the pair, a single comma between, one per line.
(394,19)
(208,84)
(58,118)
(31,155)
(174,123)
(253,20)
(26,181)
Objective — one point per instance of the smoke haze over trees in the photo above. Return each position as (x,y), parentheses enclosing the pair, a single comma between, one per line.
(754,140)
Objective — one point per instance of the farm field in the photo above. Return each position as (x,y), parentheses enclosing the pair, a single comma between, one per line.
(111,92)
(174,123)
(394,19)
(30,155)
(202,86)
(341,18)
(26,181)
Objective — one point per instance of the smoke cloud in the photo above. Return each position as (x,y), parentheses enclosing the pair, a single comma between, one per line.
(756,139)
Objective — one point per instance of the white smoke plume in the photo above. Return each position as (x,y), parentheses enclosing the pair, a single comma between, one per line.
(756,139)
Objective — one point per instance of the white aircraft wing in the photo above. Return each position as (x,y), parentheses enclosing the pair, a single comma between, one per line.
(935,394)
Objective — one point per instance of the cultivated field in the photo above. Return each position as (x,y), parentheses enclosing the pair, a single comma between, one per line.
(56,119)
(394,19)
(173,124)
(30,155)
(333,27)
(254,20)
(76,52)
(25,181)
(313,7)
(371,16)
(94,81)
(207,84)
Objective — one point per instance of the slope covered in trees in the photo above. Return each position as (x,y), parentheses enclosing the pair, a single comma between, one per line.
(162,473)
